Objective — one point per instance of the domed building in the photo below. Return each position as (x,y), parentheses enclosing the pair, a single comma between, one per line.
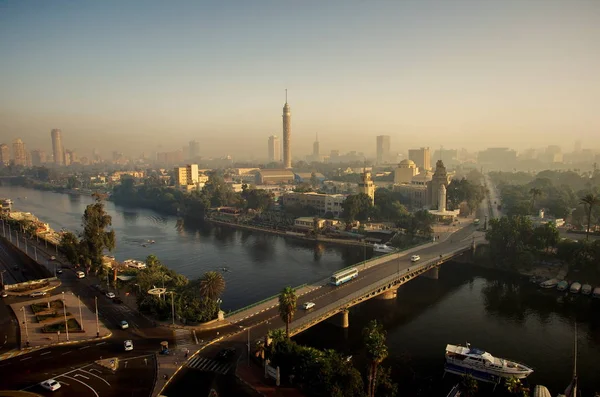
(405,172)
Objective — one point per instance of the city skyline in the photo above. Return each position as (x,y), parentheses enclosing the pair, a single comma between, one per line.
(467,74)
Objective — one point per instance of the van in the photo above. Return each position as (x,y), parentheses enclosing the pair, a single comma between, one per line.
(80,274)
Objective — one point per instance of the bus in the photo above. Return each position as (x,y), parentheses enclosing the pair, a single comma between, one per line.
(344,276)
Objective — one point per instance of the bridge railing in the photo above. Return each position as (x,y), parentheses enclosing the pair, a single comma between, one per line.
(260,302)
(338,305)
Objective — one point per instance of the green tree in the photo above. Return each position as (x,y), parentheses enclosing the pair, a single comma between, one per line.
(314,181)
(287,307)
(589,201)
(535,193)
(95,238)
(69,246)
(469,386)
(514,386)
(357,207)
(546,236)
(377,351)
(212,285)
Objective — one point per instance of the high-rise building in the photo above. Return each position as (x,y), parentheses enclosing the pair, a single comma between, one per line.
(274,149)
(316,149)
(70,157)
(4,154)
(367,186)
(194,150)
(383,148)
(287,134)
(19,153)
(187,175)
(57,147)
(38,157)
(421,157)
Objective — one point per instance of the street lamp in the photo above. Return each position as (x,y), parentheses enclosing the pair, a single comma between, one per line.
(2,277)
(248,328)
(25,321)
(97,322)
(65,313)
(80,315)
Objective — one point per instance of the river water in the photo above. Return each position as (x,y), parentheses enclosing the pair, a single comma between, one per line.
(497,312)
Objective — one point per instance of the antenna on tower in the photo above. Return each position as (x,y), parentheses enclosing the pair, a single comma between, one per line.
(286,95)
(317,138)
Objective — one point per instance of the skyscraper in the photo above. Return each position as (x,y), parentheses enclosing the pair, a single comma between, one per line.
(316,150)
(194,150)
(421,157)
(19,153)
(4,154)
(383,148)
(57,147)
(274,149)
(287,134)
(38,157)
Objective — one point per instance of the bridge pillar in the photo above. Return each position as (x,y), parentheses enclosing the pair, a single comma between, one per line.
(388,294)
(344,319)
(433,273)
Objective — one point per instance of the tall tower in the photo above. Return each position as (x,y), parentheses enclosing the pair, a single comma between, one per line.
(274,149)
(287,134)
(367,186)
(383,148)
(316,152)
(57,147)
(19,153)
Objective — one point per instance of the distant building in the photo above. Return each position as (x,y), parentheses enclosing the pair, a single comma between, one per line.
(118,175)
(4,155)
(405,172)
(188,177)
(367,186)
(316,155)
(57,147)
(308,223)
(169,158)
(274,149)
(301,177)
(194,150)
(71,157)
(322,202)
(416,190)
(501,156)
(440,177)
(421,157)
(38,157)
(19,153)
(383,148)
(274,177)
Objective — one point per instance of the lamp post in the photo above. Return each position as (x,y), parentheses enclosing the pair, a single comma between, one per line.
(2,277)
(80,315)
(97,322)
(17,234)
(172,306)
(25,321)
(65,313)
(9,234)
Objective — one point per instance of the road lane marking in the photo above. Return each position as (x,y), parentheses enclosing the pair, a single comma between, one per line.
(45,353)
(83,376)
(84,347)
(26,358)
(94,369)
(101,343)
(90,373)
(83,383)
(70,351)
(57,376)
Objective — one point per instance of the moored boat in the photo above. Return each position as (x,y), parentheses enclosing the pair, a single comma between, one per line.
(549,283)
(596,293)
(383,248)
(586,289)
(575,288)
(562,286)
(477,361)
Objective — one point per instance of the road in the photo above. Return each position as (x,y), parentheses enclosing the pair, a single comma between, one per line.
(254,328)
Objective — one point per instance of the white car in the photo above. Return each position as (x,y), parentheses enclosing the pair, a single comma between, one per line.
(38,293)
(124,324)
(4,294)
(110,295)
(128,345)
(50,384)
(415,258)
(80,274)
(308,305)
(52,258)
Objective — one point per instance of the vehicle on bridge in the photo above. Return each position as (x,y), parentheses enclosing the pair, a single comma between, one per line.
(415,258)
(344,276)
(308,305)
(128,345)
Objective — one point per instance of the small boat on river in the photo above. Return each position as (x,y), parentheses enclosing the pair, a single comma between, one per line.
(586,289)
(596,293)
(383,248)
(562,286)
(461,359)
(575,288)
(549,283)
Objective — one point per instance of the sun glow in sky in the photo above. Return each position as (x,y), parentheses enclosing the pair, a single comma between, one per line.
(137,75)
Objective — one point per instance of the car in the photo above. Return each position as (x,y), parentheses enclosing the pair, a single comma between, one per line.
(117,300)
(4,294)
(226,353)
(50,384)
(308,305)
(415,258)
(58,271)
(124,324)
(128,344)
(38,293)
(110,295)
(52,258)
(80,274)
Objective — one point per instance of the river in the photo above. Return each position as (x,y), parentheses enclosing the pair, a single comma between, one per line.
(501,313)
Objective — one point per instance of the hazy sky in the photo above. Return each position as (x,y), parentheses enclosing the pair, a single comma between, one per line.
(133,75)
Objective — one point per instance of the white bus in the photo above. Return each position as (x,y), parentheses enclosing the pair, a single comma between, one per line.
(344,276)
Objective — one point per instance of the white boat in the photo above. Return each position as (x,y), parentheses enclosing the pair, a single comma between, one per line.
(596,293)
(575,288)
(541,391)
(562,285)
(549,283)
(134,263)
(586,289)
(479,361)
(383,248)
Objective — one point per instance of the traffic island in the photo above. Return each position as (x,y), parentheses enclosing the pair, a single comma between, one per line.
(110,363)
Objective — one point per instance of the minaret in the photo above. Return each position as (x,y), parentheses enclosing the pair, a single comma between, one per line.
(316,152)
(287,134)
(442,199)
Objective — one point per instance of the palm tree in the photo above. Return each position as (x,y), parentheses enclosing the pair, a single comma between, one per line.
(589,201)
(535,193)
(377,351)
(212,285)
(287,307)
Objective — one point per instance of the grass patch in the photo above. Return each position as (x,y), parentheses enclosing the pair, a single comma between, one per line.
(60,326)
(46,316)
(55,305)
(30,287)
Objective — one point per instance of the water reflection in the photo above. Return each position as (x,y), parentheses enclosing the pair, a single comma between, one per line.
(130,217)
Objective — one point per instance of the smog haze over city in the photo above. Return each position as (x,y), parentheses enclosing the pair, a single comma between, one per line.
(151,76)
